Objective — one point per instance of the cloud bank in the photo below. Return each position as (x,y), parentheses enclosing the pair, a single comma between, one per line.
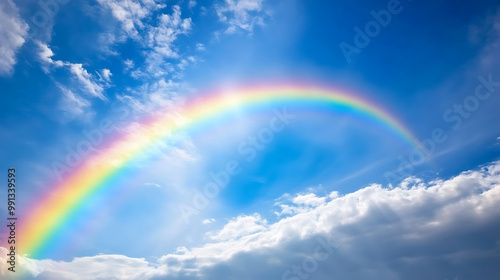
(443,229)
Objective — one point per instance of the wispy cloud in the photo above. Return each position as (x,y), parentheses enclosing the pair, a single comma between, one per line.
(91,85)
(185,62)
(13,34)
(73,104)
(87,80)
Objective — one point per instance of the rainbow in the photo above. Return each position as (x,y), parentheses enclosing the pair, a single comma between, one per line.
(61,206)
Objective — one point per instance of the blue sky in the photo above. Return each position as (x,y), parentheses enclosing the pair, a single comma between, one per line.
(65,65)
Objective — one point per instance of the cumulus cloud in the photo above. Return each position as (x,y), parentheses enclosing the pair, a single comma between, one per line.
(97,267)
(158,40)
(441,229)
(161,40)
(241,14)
(13,33)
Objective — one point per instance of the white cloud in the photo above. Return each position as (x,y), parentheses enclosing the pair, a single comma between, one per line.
(159,41)
(309,200)
(97,267)
(106,74)
(208,221)
(420,230)
(362,224)
(13,33)
(200,47)
(87,80)
(129,64)
(92,86)
(45,55)
(131,13)
(185,62)
(241,14)
(73,103)
(153,185)
(160,38)
(239,227)
(191,4)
